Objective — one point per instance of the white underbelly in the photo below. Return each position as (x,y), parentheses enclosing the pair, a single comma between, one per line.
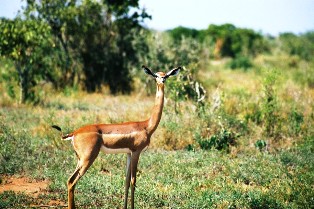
(114,151)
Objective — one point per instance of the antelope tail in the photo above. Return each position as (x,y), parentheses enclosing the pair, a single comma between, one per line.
(64,137)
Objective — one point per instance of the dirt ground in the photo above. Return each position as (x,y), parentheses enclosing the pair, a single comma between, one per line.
(29,187)
(23,185)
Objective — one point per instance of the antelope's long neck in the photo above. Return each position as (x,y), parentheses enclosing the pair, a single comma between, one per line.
(154,120)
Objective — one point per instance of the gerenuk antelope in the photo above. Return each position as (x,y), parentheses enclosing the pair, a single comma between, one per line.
(130,138)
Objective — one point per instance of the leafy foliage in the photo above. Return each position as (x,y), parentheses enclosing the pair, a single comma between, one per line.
(261,145)
(72,42)
(220,141)
(240,63)
(301,45)
(232,41)
(97,34)
(179,33)
(28,43)
(270,105)
(226,40)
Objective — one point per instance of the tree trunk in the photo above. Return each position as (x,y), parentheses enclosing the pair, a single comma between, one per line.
(22,83)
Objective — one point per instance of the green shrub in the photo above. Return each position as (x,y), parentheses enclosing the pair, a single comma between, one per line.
(220,141)
(254,113)
(295,122)
(302,76)
(263,201)
(261,145)
(270,105)
(240,62)
(13,200)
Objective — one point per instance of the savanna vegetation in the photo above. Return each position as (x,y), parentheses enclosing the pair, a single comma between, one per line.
(237,129)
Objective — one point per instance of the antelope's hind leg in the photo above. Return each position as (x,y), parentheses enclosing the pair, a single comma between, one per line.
(87,147)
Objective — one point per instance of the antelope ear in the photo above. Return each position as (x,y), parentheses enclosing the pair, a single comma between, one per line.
(173,72)
(148,71)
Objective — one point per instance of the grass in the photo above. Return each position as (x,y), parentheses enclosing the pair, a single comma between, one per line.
(166,179)
(184,179)
(175,172)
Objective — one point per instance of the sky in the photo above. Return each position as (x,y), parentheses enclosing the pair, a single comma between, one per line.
(266,16)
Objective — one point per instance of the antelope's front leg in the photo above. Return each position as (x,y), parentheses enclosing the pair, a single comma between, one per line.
(134,161)
(127,179)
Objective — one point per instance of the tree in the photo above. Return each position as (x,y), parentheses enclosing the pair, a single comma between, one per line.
(302,45)
(97,34)
(226,40)
(182,32)
(28,43)
(232,42)
(72,42)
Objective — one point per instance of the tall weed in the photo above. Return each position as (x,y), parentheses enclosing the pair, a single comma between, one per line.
(270,105)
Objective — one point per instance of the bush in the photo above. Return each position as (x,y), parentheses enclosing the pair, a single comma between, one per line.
(296,120)
(261,145)
(240,62)
(263,201)
(270,105)
(220,141)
